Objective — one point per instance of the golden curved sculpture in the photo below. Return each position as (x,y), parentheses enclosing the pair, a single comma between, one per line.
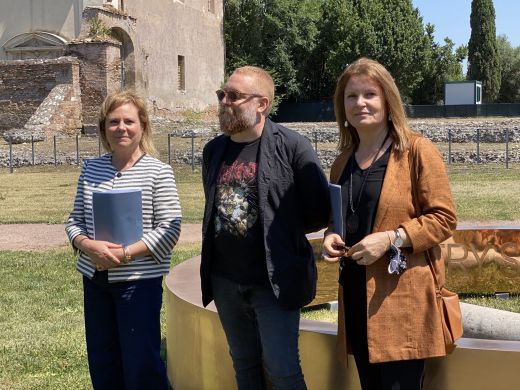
(198,357)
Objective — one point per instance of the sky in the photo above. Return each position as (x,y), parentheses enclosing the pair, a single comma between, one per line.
(451,19)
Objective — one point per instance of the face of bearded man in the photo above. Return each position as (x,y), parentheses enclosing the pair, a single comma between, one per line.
(236,119)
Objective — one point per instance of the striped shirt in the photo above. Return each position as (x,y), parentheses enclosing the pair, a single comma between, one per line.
(161,213)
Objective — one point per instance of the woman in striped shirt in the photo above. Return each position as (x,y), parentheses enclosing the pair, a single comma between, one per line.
(123,284)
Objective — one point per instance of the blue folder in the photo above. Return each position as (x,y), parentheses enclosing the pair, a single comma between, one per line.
(335,205)
(118,216)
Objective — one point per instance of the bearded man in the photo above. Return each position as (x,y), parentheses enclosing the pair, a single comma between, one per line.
(264,190)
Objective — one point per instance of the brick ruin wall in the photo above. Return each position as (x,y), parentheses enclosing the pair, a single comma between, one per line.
(25,84)
(100,76)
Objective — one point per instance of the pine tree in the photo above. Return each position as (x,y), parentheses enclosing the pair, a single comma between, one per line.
(483,58)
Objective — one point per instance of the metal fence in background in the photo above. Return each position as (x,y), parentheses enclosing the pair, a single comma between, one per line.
(57,150)
(478,151)
(475,147)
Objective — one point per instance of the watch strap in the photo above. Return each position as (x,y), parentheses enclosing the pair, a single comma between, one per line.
(398,240)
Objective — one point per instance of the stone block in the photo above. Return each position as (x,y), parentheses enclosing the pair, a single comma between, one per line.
(20,136)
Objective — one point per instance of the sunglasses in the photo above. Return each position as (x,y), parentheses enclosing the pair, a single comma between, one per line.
(233,96)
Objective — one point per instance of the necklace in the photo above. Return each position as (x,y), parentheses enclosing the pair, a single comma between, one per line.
(352,224)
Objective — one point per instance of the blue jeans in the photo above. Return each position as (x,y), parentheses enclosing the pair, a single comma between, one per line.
(122,327)
(259,330)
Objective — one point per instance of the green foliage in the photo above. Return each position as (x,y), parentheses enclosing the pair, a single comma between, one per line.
(392,33)
(509,70)
(273,34)
(306,44)
(97,29)
(483,59)
(442,65)
(337,45)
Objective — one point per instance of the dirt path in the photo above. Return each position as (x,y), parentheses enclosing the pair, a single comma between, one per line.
(42,236)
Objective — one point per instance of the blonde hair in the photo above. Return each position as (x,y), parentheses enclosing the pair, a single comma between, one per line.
(118,99)
(263,82)
(397,122)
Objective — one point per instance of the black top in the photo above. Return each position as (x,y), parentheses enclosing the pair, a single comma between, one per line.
(367,207)
(239,250)
(293,199)
(353,276)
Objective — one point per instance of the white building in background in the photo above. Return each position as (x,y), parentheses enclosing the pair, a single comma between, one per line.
(462,92)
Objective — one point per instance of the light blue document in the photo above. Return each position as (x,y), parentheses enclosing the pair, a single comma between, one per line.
(118,216)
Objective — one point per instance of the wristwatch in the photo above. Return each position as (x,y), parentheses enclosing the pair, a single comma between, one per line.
(398,241)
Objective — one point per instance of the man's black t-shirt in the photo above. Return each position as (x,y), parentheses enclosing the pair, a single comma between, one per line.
(239,248)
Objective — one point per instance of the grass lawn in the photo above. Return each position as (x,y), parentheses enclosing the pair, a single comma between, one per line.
(512,304)
(41,317)
(486,192)
(45,194)
(42,344)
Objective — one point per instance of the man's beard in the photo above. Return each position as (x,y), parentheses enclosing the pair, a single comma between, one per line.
(234,121)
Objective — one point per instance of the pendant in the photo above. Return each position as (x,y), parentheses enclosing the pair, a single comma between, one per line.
(352,223)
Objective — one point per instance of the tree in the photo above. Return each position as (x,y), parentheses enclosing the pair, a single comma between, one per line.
(392,33)
(442,65)
(389,31)
(483,60)
(336,45)
(243,21)
(509,70)
(278,35)
(306,44)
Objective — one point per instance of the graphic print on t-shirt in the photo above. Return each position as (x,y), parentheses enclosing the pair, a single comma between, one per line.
(236,198)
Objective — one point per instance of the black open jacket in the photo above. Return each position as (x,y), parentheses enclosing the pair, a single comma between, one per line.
(293,200)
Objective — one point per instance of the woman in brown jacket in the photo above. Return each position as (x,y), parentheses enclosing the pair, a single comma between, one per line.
(397,204)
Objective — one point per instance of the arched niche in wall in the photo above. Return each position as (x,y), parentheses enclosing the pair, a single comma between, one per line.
(127,57)
(37,44)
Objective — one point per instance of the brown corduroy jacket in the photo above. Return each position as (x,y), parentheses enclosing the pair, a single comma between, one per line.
(402,315)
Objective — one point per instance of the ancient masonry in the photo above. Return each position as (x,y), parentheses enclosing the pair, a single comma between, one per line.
(171,52)
(492,133)
(62,96)
(51,104)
